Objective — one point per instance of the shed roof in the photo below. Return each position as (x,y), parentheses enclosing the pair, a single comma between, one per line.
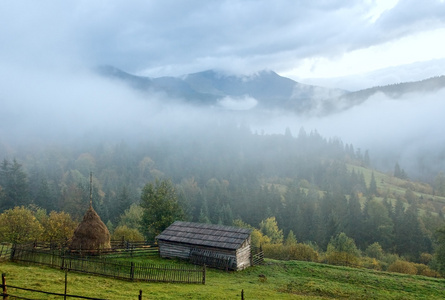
(200,234)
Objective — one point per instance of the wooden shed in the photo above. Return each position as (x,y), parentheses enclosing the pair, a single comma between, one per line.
(217,246)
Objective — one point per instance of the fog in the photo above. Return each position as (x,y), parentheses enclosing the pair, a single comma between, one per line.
(74,104)
(50,95)
(408,130)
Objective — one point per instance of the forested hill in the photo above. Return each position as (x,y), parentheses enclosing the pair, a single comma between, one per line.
(394,91)
(314,186)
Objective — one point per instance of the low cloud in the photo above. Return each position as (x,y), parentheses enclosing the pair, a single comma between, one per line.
(60,106)
(240,103)
(408,130)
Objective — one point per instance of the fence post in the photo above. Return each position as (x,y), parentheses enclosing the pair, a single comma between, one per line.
(203,274)
(132,271)
(13,251)
(4,291)
(140,295)
(66,283)
(242,294)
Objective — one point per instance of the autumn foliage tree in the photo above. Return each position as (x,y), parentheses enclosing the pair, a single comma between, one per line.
(19,225)
(58,226)
(269,227)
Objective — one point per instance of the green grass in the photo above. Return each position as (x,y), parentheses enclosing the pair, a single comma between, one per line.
(284,280)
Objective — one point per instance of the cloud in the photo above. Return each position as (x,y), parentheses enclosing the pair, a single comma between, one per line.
(240,103)
(48,47)
(182,37)
(407,130)
(392,75)
(408,16)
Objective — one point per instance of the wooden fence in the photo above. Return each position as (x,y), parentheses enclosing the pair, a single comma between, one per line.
(105,267)
(5,251)
(203,257)
(119,248)
(257,256)
(5,294)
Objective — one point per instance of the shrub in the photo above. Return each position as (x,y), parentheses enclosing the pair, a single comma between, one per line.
(342,258)
(129,234)
(18,225)
(342,251)
(371,263)
(424,270)
(293,252)
(388,259)
(404,267)
(375,251)
(426,258)
(275,251)
(303,252)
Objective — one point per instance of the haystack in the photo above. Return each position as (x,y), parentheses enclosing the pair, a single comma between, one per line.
(91,234)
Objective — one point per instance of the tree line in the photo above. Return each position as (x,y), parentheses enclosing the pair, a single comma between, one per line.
(226,174)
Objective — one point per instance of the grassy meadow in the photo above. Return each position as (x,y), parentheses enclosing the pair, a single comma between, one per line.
(278,280)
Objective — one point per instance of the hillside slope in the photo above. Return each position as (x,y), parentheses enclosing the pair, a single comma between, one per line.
(279,280)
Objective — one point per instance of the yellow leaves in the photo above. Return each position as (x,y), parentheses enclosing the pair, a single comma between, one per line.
(19,225)
(58,226)
(128,234)
(258,238)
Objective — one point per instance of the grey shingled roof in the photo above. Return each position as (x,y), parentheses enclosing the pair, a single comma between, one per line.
(218,236)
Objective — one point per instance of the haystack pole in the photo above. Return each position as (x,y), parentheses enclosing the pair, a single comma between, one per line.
(91,235)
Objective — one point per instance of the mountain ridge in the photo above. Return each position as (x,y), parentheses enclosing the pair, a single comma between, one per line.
(269,89)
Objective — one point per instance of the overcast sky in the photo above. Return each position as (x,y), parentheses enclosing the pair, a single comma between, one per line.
(304,40)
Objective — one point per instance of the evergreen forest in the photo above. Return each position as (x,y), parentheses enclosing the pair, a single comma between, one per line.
(313,188)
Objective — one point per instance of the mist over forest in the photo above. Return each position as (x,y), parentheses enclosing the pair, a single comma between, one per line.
(79,107)
(228,162)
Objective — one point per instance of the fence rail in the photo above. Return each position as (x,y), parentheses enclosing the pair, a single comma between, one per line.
(257,256)
(105,267)
(5,294)
(133,248)
(5,251)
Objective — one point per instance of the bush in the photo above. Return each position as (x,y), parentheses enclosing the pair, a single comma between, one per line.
(342,251)
(129,234)
(303,252)
(426,258)
(374,251)
(404,267)
(18,225)
(388,259)
(371,263)
(342,258)
(275,251)
(424,270)
(292,252)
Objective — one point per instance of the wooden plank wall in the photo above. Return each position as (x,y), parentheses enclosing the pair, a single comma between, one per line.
(241,257)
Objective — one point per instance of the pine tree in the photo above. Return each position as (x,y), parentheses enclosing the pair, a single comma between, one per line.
(161,208)
(354,220)
(14,185)
(372,190)
(290,239)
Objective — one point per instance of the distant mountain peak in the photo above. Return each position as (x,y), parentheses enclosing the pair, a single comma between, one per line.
(264,89)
